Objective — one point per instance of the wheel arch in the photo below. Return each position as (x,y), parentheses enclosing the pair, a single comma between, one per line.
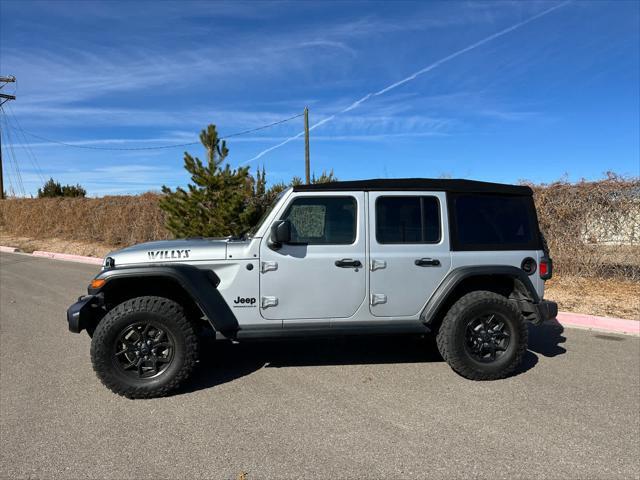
(508,281)
(193,288)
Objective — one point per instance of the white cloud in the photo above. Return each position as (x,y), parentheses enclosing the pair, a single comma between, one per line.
(415,75)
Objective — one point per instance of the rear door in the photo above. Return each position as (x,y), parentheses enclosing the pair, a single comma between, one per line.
(409,250)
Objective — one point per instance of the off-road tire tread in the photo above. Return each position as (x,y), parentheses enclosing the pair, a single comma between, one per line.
(445,335)
(157,305)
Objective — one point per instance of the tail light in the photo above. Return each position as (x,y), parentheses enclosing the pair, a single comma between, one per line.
(545,268)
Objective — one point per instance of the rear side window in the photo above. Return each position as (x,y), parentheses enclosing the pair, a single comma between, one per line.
(322,220)
(493,222)
(414,219)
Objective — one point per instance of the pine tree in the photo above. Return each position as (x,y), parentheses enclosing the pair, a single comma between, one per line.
(54,189)
(218,201)
(324,177)
(258,201)
(51,188)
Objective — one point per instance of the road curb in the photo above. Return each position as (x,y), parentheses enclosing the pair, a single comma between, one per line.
(68,257)
(604,324)
(9,249)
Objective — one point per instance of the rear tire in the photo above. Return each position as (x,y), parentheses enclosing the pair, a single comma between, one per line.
(483,336)
(144,348)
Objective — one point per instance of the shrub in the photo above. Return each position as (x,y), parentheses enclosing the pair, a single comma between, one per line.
(52,189)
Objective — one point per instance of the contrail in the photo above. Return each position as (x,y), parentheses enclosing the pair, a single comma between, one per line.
(413,76)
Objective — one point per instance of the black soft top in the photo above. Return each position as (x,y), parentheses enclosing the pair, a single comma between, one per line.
(428,184)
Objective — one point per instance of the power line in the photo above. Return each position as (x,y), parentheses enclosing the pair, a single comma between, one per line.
(4,80)
(11,189)
(13,161)
(93,147)
(263,127)
(30,153)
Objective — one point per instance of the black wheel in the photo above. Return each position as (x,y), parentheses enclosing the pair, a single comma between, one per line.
(483,336)
(144,347)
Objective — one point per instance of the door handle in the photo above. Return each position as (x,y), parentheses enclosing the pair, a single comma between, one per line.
(427,262)
(348,263)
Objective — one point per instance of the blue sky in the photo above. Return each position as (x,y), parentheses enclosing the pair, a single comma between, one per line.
(550,94)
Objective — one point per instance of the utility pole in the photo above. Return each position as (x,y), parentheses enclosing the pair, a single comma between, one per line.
(307,165)
(6,98)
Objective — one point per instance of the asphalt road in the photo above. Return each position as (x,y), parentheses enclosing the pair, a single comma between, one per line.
(347,408)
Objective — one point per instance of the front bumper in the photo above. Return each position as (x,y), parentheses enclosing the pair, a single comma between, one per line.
(85,313)
(545,310)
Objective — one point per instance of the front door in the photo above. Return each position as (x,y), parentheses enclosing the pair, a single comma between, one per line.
(409,251)
(321,273)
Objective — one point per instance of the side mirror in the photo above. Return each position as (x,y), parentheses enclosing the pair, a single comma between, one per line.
(280,233)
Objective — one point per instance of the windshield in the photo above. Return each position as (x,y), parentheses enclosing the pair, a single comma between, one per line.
(252,231)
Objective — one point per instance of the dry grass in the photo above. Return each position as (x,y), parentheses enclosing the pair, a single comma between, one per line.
(593,228)
(116,221)
(596,296)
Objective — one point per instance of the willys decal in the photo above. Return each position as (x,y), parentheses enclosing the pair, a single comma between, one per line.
(168,254)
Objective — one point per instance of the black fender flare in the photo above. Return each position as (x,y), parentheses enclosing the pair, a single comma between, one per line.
(457,275)
(200,285)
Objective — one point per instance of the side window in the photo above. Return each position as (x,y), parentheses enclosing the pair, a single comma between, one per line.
(322,220)
(493,222)
(414,219)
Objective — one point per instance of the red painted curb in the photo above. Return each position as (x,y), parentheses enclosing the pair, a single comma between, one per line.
(9,249)
(592,322)
(68,257)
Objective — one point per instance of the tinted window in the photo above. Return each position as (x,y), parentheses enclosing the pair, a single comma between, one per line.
(322,220)
(407,220)
(494,222)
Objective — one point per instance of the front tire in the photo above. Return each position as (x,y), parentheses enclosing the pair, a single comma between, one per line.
(144,348)
(483,336)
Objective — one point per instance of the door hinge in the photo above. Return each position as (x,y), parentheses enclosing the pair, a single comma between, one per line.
(378,298)
(268,266)
(378,264)
(266,302)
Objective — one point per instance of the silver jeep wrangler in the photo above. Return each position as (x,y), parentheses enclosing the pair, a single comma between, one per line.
(461,260)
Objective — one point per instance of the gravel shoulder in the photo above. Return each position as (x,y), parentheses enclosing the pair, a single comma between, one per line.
(596,296)
(28,245)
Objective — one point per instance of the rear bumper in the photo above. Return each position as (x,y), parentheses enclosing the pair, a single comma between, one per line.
(545,310)
(84,313)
